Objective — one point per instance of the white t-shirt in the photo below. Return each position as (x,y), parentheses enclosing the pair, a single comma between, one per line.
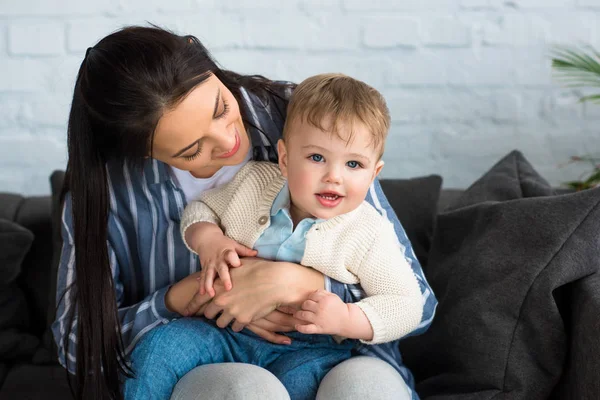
(193,187)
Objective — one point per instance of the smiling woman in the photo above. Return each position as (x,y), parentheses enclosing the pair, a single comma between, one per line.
(153,123)
(203,132)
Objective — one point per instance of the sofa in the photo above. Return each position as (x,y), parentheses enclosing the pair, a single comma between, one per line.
(513,263)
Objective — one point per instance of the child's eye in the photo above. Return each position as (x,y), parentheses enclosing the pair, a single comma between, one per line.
(354,164)
(316,157)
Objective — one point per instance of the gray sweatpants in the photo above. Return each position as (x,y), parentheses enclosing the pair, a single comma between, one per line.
(355,378)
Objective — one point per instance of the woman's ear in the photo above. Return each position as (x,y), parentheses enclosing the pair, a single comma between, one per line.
(283,160)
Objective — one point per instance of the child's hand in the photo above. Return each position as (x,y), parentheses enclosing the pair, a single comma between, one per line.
(217,254)
(324,313)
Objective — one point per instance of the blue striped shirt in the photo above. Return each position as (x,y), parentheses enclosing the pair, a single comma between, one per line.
(147,254)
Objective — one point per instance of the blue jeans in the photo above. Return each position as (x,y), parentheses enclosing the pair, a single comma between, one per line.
(166,353)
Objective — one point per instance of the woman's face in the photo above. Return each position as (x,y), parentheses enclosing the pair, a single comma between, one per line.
(202,133)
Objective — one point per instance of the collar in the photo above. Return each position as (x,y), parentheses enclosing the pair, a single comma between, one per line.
(282,201)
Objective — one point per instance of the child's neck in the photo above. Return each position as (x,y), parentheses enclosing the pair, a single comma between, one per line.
(297,215)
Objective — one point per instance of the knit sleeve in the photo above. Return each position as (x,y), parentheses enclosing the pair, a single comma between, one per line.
(195,212)
(212,204)
(393,304)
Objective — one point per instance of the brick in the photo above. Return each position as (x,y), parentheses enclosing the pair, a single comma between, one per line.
(9,112)
(26,150)
(310,5)
(48,110)
(215,30)
(588,3)
(368,68)
(259,5)
(533,67)
(592,110)
(53,7)
(291,31)
(84,33)
(408,167)
(484,67)
(562,105)
(383,32)
(571,28)
(3,40)
(476,3)
(512,29)
(145,6)
(409,141)
(58,75)
(422,68)
(387,5)
(36,38)
(434,105)
(31,181)
(446,31)
(246,61)
(20,75)
(543,3)
(508,107)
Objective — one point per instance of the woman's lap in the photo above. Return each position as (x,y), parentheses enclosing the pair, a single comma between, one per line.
(353,378)
(230,381)
(168,353)
(361,377)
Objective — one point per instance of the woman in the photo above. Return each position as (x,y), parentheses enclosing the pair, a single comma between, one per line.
(154,121)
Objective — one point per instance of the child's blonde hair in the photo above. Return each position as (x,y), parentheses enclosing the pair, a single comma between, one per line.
(335,99)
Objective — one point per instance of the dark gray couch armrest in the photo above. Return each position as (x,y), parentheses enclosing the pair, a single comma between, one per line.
(580,377)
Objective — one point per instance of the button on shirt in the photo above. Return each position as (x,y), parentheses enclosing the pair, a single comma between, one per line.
(280,241)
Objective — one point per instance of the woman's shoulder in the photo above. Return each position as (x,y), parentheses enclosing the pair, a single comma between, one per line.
(130,185)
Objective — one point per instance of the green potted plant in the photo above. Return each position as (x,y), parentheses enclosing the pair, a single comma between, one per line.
(580,67)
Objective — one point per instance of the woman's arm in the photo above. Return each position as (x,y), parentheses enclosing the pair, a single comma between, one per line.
(259,287)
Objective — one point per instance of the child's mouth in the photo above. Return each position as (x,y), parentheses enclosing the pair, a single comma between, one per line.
(328,199)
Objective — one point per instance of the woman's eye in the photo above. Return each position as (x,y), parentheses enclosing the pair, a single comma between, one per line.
(195,155)
(316,157)
(353,164)
(225,110)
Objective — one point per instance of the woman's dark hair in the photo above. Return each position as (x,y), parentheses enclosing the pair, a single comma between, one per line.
(124,85)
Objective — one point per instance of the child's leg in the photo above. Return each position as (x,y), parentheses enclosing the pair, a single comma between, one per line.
(168,352)
(301,371)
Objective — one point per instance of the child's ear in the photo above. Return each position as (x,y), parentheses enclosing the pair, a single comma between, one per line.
(283,157)
(377,170)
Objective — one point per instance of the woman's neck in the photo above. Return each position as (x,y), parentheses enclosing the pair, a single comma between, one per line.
(205,173)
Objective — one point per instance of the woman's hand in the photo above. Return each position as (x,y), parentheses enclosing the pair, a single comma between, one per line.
(259,288)
(276,321)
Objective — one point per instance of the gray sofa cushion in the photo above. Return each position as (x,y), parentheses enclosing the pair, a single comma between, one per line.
(15,342)
(499,255)
(415,203)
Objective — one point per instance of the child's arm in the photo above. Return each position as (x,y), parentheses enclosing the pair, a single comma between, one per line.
(394,304)
(203,236)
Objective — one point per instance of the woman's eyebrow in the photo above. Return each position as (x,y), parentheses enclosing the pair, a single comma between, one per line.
(180,152)
(217,97)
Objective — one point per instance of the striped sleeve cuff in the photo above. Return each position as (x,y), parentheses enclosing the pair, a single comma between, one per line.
(159,308)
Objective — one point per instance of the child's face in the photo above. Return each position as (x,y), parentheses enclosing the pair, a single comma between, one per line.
(327,176)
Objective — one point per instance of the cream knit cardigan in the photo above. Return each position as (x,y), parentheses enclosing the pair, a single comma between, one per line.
(357,247)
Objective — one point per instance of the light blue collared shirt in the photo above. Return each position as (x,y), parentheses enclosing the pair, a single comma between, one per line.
(280,241)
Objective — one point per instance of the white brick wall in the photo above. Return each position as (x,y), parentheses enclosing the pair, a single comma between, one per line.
(466,80)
